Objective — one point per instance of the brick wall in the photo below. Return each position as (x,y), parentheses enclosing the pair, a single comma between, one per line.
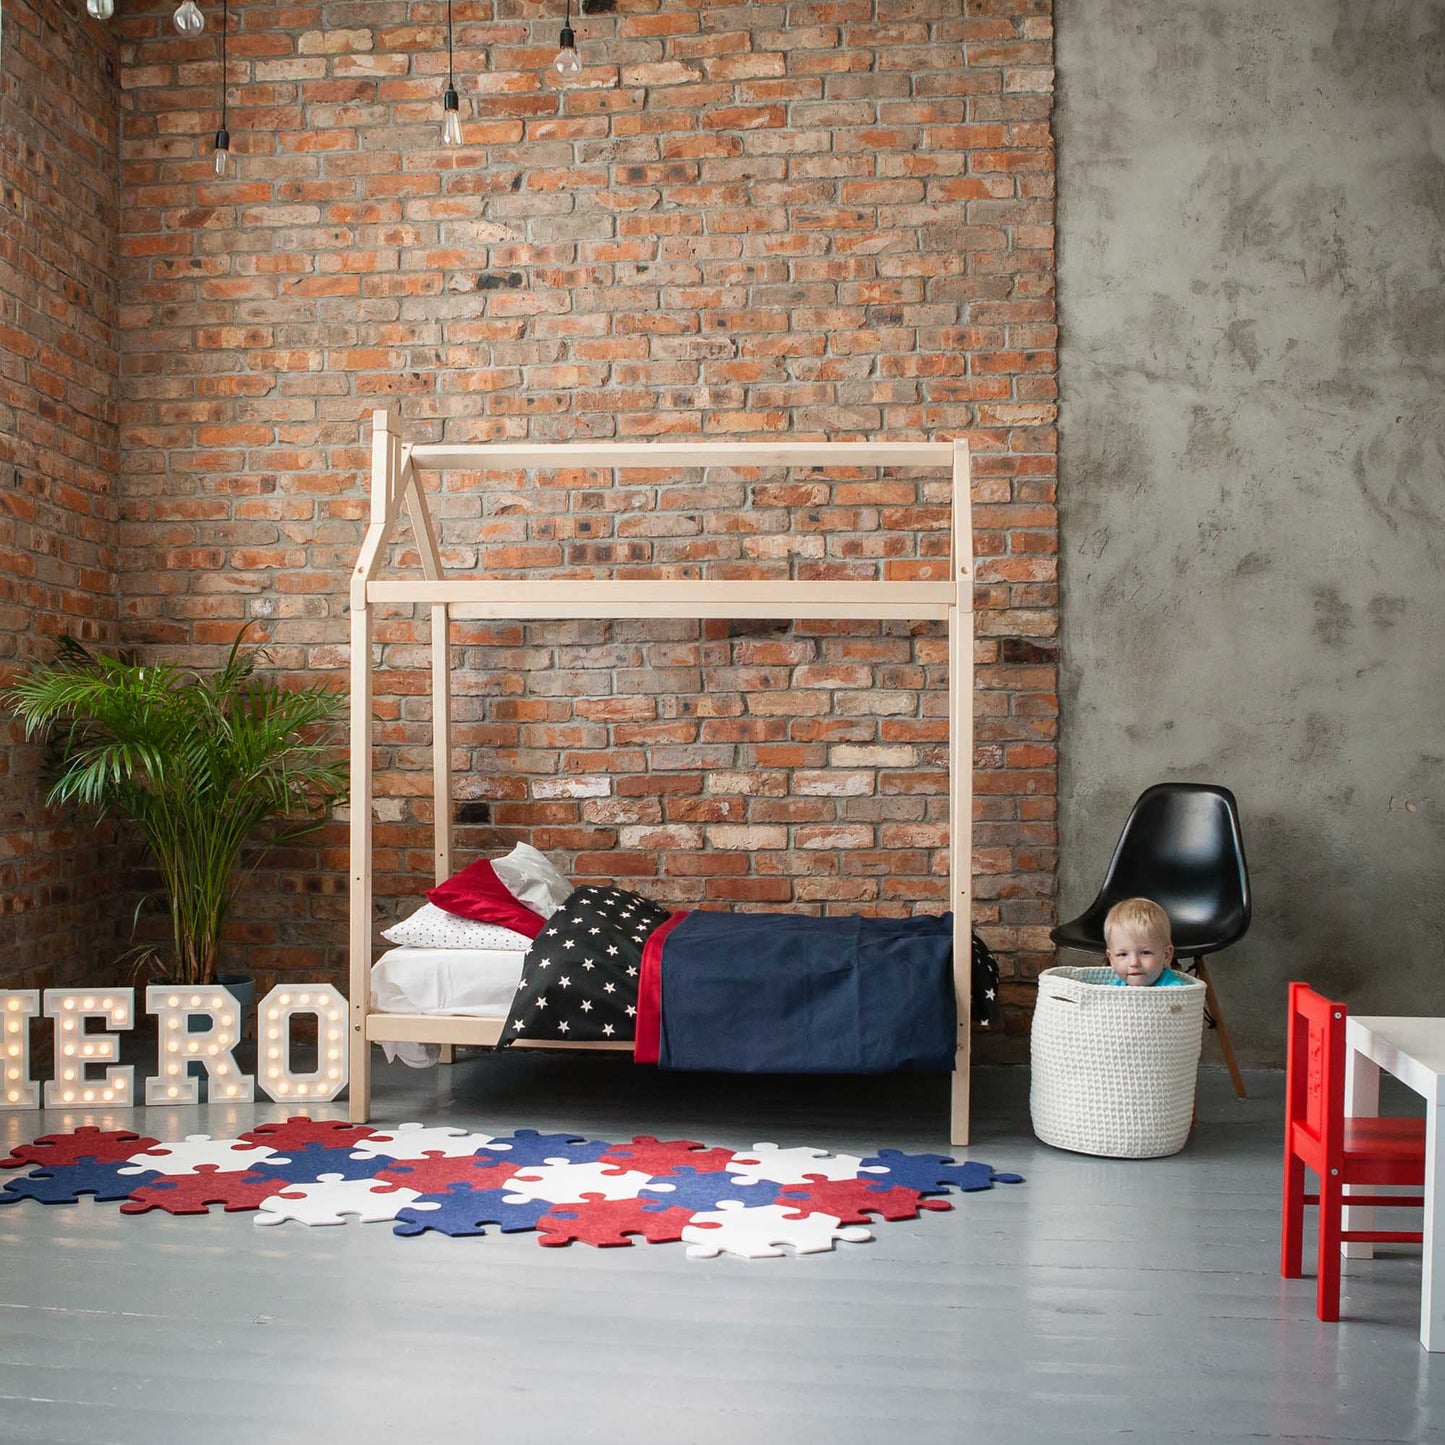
(742,220)
(61,911)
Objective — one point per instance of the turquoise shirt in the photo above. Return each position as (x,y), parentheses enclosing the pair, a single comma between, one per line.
(1167,979)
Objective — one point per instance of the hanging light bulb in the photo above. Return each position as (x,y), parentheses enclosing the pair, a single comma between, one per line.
(568,62)
(223,135)
(100,9)
(188,18)
(451,104)
(451,118)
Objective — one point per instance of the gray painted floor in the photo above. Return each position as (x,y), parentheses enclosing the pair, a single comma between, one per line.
(1100,1299)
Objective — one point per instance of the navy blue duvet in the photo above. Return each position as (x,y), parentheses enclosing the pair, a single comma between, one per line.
(777,993)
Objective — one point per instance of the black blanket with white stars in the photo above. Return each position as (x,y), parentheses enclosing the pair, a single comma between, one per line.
(579,980)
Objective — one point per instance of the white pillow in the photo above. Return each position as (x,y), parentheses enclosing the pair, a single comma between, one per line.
(433,927)
(531,879)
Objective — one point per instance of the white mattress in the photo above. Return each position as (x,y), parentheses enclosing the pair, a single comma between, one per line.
(475,981)
(478,982)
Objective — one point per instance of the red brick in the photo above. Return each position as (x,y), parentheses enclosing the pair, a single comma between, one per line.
(748,890)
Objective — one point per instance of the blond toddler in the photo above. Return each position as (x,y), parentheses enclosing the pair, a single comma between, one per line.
(1137,937)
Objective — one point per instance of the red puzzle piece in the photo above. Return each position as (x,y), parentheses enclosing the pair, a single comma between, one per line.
(298,1131)
(850,1200)
(191,1193)
(105,1146)
(435,1173)
(654,1156)
(609,1222)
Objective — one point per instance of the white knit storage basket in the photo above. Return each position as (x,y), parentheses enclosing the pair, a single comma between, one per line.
(1114,1068)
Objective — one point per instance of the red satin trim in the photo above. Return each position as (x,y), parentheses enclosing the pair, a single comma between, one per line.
(649,992)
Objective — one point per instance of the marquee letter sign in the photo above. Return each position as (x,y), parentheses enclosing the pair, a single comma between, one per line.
(75,1049)
(174,1009)
(21,1091)
(178,1011)
(278,1008)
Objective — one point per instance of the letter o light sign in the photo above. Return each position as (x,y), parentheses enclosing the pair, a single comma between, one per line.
(273,1032)
(195,1025)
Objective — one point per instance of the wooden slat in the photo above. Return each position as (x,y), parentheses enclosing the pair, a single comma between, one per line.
(359,929)
(489,456)
(368,560)
(387,469)
(402,476)
(589,597)
(424,534)
(441,741)
(383,433)
(432,1029)
(960,787)
(597,1045)
(463,1029)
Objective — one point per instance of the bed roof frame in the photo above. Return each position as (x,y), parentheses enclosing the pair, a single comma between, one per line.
(396,469)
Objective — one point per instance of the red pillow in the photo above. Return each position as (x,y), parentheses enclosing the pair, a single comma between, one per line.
(477,892)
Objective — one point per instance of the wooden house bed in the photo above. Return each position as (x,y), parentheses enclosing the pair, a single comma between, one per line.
(396,469)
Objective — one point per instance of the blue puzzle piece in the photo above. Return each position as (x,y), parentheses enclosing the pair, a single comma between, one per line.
(464,1211)
(527,1146)
(994,1177)
(702,1192)
(65,1183)
(934,1173)
(308,1163)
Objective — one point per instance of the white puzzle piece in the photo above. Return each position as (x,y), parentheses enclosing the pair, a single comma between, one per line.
(792,1166)
(414,1141)
(229,1156)
(331,1199)
(754,1232)
(560,1181)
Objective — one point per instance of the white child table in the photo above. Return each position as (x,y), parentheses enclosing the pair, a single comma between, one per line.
(1413,1050)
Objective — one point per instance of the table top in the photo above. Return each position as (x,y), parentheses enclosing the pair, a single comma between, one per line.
(1413,1049)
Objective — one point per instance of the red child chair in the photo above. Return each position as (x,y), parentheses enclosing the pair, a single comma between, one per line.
(1341,1151)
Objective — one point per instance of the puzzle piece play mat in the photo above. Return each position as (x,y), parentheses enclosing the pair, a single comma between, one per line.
(420,1178)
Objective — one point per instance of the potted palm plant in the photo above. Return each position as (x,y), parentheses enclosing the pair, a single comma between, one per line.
(215,769)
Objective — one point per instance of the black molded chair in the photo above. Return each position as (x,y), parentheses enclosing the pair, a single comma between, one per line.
(1182,847)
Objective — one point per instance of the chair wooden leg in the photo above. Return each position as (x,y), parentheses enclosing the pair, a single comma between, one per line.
(1211,1002)
(1292,1218)
(1362,1097)
(446,1053)
(1327,1287)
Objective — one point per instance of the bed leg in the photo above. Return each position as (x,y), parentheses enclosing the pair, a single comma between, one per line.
(958,1115)
(446,1053)
(359,1093)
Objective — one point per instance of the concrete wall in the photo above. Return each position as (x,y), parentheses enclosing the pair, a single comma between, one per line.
(1253,518)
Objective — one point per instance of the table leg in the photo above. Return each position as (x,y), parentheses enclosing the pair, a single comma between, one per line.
(1432,1289)
(1362,1098)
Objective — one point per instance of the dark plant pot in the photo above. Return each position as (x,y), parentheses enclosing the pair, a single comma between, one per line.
(241,987)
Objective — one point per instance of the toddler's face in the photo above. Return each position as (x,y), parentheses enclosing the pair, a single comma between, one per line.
(1138,959)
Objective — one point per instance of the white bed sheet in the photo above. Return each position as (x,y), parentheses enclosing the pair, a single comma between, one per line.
(477,982)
